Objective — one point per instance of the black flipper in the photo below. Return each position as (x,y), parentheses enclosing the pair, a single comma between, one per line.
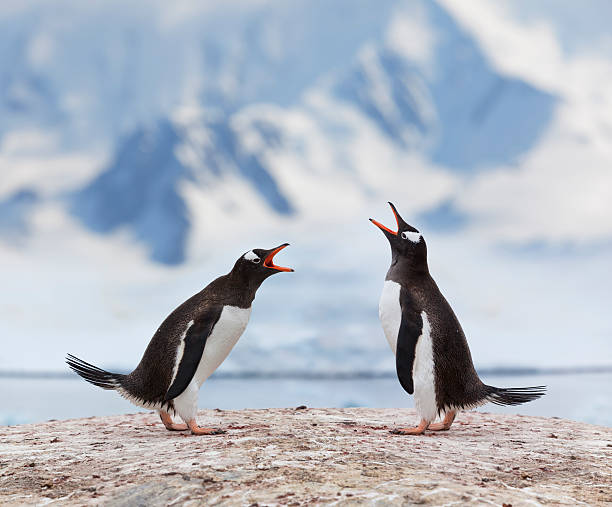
(195,340)
(411,328)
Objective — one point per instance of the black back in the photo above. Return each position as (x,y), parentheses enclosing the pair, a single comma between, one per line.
(456,381)
(457,384)
(151,379)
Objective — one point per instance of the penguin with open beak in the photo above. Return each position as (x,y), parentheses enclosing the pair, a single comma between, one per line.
(190,344)
(432,357)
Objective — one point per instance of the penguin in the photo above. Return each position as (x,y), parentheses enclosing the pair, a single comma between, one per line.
(190,344)
(432,357)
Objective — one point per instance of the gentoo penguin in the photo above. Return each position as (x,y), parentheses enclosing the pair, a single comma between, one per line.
(432,357)
(190,344)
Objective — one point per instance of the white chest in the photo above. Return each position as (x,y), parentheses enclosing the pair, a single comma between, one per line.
(390,312)
(423,374)
(225,334)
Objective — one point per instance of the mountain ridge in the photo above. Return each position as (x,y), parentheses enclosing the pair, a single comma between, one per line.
(440,98)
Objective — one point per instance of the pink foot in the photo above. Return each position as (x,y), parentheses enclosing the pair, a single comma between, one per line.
(197,430)
(423,425)
(171,426)
(446,424)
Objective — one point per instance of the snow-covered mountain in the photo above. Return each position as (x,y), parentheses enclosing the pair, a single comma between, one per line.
(144,146)
(410,72)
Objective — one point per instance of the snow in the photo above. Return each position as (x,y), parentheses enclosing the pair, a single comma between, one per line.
(285,131)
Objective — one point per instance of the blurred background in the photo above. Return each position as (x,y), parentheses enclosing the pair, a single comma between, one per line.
(145,146)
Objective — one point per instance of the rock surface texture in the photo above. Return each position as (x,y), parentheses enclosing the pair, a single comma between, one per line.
(307,456)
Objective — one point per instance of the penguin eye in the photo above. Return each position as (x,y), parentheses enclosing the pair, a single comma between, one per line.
(415,237)
(252,256)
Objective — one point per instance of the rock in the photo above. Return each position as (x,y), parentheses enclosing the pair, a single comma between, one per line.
(284,457)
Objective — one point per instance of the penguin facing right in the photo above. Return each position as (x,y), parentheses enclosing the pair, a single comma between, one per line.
(190,344)
(432,356)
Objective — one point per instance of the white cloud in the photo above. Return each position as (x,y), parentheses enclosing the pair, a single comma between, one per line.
(562,190)
(410,35)
(561,193)
(46,174)
(28,141)
(338,169)
(527,50)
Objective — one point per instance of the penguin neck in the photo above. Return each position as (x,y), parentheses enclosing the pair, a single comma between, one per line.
(233,290)
(405,268)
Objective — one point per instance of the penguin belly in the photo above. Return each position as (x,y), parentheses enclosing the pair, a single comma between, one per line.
(220,342)
(423,372)
(390,312)
(227,331)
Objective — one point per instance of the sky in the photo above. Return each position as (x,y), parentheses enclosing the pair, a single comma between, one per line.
(519,239)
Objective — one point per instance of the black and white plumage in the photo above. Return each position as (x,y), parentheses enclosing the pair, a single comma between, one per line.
(433,360)
(191,343)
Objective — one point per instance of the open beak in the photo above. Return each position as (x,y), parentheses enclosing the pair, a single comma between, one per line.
(386,229)
(269,260)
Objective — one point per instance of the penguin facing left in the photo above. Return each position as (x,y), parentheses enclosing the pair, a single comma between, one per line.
(190,344)
(432,356)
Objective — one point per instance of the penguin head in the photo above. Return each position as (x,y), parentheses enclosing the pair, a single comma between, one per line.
(258,264)
(406,242)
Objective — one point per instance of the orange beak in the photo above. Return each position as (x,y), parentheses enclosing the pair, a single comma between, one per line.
(382,227)
(269,260)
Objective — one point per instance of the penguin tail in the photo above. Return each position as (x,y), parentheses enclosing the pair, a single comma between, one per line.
(513,395)
(93,374)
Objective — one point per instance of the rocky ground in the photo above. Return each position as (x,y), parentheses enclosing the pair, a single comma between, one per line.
(301,456)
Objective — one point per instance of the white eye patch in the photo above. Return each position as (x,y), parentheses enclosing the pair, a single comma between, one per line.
(415,237)
(251,256)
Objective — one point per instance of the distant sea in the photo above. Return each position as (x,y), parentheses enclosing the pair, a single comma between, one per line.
(585,397)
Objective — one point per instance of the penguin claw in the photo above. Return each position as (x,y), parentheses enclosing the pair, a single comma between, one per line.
(207,431)
(407,431)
